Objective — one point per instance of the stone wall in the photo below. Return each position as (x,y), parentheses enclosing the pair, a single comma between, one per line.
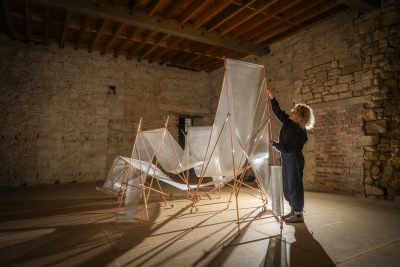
(61,121)
(347,69)
(379,34)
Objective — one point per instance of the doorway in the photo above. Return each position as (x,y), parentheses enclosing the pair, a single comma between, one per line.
(184,123)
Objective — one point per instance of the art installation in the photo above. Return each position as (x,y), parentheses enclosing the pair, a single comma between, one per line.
(237,141)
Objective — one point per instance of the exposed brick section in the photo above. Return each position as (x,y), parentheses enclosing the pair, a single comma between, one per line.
(338,150)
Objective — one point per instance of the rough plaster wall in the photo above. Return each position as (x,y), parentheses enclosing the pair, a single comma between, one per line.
(60,122)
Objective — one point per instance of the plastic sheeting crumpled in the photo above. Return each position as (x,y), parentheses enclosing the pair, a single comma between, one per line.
(238,135)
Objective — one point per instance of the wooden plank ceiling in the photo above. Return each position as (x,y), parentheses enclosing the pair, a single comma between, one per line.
(189,34)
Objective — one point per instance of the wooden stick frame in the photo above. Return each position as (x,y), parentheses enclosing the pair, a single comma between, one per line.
(238,175)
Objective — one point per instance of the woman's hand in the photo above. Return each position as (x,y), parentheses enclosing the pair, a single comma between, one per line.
(272,142)
(270,94)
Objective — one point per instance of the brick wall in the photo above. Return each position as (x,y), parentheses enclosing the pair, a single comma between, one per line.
(338,150)
(60,122)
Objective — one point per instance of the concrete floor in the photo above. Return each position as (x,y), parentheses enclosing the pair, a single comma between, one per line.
(74,225)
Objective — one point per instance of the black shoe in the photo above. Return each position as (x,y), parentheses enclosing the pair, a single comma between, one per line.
(296,218)
(290,214)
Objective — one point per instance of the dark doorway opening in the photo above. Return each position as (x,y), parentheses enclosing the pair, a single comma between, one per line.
(184,123)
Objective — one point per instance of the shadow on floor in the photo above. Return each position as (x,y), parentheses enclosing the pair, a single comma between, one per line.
(53,231)
(305,250)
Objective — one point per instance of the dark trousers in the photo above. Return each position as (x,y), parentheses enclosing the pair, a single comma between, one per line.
(292,175)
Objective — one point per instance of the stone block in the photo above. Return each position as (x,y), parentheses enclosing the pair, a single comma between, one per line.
(375,170)
(376,127)
(372,190)
(360,85)
(318,89)
(339,88)
(367,164)
(308,96)
(369,115)
(346,78)
(352,68)
(368,180)
(383,43)
(378,35)
(331,82)
(369,149)
(305,89)
(366,26)
(322,75)
(394,143)
(314,101)
(371,155)
(309,81)
(326,92)
(334,72)
(368,75)
(330,97)
(345,94)
(391,18)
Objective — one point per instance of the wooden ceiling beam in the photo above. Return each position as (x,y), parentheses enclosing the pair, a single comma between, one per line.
(152,48)
(155,23)
(194,58)
(135,47)
(181,47)
(132,33)
(98,34)
(179,58)
(47,23)
(166,57)
(207,61)
(227,18)
(154,7)
(301,7)
(193,47)
(325,6)
(65,28)
(75,25)
(211,12)
(291,32)
(10,26)
(245,16)
(215,66)
(84,24)
(166,49)
(360,5)
(27,7)
(173,8)
(191,11)
(271,12)
(133,50)
(202,61)
(112,39)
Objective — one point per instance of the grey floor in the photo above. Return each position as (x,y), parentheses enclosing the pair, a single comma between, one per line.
(74,225)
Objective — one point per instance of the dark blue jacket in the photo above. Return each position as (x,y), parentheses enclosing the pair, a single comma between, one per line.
(292,136)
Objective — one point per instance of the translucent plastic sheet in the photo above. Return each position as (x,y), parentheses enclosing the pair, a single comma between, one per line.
(240,134)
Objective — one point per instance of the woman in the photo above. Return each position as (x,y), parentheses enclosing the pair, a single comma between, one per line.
(292,137)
